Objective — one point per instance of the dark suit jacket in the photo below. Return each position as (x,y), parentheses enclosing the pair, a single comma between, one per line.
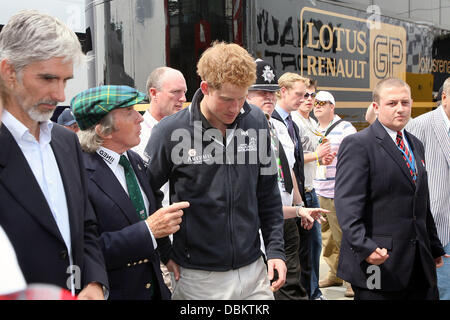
(299,159)
(125,240)
(379,205)
(29,223)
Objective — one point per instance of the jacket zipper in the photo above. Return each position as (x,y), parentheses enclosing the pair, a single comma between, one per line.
(230,208)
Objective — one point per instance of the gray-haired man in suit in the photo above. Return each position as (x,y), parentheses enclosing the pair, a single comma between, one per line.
(433,129)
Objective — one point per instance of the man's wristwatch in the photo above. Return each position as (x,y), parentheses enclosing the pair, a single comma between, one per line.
(299,206)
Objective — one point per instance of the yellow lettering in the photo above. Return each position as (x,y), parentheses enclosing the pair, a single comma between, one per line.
(347,33)
(312,65)
(362,64)
(322,37)
(348,74)
(320,66)
(331,67)
(338,37)
(310,37)
(340,69)
(434,65)
(362,47)
(355,67)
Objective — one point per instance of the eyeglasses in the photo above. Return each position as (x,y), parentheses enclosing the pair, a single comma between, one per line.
(320,103)
(307,95)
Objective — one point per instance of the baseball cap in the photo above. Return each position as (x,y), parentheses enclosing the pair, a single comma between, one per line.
(66,118)
(266,79)
(91,105)
(325,96)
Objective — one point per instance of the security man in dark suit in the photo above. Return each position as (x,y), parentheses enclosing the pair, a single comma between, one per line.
(390,249)
(126,208)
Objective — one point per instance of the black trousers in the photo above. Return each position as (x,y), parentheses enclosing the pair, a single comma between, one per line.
(292,289)
(304,256)
(417,289)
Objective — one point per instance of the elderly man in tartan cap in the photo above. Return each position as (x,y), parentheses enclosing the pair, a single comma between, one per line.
(118,188)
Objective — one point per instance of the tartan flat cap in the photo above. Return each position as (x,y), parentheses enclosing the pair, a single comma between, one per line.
(91,105)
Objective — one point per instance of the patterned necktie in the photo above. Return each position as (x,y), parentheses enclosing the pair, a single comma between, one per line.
(285,173)
(406,154)
(290,126)
(133,188)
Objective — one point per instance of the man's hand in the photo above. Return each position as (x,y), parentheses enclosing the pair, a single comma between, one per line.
(166,220)
(173,267)
(323,149)
(440,261)
(309,215)
(280,266)
(378,257)
(93,291)
(328,159)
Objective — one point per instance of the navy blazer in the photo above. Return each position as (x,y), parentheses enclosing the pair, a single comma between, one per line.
(299,165)
(28,221)
(125,240)
(379,205)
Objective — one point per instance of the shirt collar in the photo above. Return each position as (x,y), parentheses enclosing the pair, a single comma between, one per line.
(149,120)
(110,157)
(21,133)
(446,119)
(392,133)
(283,113)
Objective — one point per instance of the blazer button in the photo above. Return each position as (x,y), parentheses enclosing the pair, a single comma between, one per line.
(148,285)
(63,254)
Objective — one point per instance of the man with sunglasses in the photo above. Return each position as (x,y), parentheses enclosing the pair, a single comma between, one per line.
(314,153)
(333,129)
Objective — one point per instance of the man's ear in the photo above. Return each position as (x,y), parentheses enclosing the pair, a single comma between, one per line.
(8,73)
(152,93)
(204,87)
(99,132)
(376,107)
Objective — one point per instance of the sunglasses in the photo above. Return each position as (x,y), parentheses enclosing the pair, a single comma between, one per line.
(307,95)
(320,103)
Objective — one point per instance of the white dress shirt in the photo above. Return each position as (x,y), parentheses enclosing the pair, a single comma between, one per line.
(310,142)
(112,158)
(42,161)
(146,131)
(393,135)
(288,146)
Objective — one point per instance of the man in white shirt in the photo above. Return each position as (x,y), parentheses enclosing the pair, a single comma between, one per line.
(118,188)
(333,129)
(315,153)
(166,89)
(263,95)
(42,182)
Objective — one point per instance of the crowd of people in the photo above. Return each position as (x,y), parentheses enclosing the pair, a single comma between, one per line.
(236,196)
